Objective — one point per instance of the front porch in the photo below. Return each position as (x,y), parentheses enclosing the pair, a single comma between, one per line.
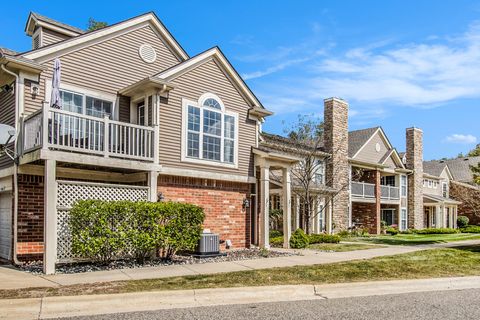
(440,212)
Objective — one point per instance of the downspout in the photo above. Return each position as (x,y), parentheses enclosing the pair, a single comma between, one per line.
(15,166)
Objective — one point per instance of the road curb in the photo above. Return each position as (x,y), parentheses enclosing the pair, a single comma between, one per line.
(70,306)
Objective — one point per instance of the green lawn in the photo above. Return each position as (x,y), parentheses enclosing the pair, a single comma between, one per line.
(458,261)
(417,239)
(342,247)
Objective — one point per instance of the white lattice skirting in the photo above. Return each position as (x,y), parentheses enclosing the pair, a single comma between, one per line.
(68,192)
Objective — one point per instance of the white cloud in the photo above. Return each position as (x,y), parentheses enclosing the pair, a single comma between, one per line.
(461,138)
(378,76)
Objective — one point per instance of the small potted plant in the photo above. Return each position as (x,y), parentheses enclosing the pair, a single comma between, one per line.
(383,227)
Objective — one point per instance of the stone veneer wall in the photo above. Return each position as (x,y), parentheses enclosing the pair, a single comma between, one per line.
(222,203)
(337,169)
(470,198)
(30,217)
(414,157)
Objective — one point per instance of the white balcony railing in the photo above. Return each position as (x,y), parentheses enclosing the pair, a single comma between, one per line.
(390,193)
(363,189)
(64,130)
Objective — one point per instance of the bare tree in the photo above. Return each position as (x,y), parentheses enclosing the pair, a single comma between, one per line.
(306,141)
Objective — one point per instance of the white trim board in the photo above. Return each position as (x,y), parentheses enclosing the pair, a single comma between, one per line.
(72,44)
(204,57)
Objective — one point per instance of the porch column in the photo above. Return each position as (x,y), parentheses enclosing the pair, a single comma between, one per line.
(50,217)
(152,185)
(455,216)
(287,208)
(297,212)
(328,217)
(378,195)
(264,240)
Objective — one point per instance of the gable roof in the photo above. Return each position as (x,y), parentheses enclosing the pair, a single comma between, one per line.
(460,168)
(79,41)
(201,58)
(358,138)
(434,168)
(34,17)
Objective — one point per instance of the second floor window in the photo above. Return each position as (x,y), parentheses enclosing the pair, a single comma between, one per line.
(445,189)
(83,104)
(211,131)
(387,181)
(403,182)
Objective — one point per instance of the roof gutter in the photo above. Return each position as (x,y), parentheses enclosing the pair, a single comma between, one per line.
(15,166)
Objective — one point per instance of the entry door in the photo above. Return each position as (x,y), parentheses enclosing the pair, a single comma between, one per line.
(5,225)
(387,216)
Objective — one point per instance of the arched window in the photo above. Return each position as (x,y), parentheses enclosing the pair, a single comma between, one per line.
(211,131)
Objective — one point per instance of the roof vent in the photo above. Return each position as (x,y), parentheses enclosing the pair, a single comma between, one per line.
(147,53)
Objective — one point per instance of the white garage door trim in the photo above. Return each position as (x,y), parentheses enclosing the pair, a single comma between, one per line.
(6,225)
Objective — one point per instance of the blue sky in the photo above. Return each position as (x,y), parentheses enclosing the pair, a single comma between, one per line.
(398,63)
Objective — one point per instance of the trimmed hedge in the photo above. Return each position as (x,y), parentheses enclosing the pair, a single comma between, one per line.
(276,241)
(298,240)
(436,231)
(323,238)
(105,230)
(275,234)
(392,231)
(470,229)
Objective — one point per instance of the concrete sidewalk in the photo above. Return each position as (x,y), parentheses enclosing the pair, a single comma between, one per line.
(16,279)
(70,306)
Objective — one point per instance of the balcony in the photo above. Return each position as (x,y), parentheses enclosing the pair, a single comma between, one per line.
(367,191)
(389,193)
(363,190)
(57,129)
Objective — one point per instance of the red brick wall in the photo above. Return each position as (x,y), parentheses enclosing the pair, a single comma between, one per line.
(365,213)
(222,203)
(30,217)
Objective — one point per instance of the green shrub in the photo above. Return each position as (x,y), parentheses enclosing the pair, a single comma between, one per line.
(183,227)
(344,233)
(471,229)
(436,231)
(276,241)
(103,230)
(275,233)
(462,221)
(392,231)
(299,239)
(323,238)
(408,231)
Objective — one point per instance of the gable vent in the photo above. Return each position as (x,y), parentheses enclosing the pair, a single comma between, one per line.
(36,42)
(147,53)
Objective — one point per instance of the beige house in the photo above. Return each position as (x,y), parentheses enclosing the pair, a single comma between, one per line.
(140,119)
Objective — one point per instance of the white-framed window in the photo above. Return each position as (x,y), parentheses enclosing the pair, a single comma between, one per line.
(403,185)
(425,183)
(403,219)
(387,181)
(319,175)
(445,189)
(85,104)
(211,132)
(430,183)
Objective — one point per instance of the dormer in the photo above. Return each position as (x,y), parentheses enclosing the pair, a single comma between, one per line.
(45,31)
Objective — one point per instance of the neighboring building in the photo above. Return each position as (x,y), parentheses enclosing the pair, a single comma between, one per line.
(440,210)
(459,185)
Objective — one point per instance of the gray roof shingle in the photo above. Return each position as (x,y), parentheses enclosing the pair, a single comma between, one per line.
(434,168)
(57,23)
(357,138)
(460,168)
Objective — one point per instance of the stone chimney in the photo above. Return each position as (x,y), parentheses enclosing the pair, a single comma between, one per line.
(337,169)
(414,162)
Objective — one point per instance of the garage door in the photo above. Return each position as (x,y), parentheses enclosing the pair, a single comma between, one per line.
(5,225)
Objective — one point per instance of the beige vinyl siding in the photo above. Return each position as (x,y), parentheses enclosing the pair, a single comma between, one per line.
(369,153)
(207,77)
(50,36)
(390,163)
(111,65)
(438,191)
(33,102)
(7,116)
(7,107)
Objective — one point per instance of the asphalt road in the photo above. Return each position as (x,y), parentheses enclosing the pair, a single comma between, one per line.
(462,304)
